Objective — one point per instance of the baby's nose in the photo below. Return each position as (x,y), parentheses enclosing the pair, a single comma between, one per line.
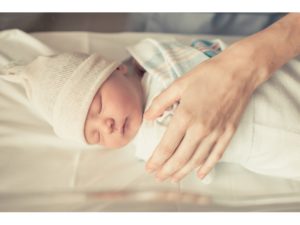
(108,125)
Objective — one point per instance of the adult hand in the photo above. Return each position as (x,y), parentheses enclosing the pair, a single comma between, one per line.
(213,97)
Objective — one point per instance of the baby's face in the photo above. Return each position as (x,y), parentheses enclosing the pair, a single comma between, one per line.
(116,111)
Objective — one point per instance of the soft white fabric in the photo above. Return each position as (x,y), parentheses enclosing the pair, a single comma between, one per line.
(62,87)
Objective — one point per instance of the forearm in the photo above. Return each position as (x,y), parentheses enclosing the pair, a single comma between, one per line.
(269,49)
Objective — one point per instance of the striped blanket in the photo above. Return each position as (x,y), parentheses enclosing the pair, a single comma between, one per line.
(170,59)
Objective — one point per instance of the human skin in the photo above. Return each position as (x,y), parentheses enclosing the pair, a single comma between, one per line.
(116,111)
(202,127)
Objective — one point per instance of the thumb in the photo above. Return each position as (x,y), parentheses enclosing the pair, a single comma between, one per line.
(161,102)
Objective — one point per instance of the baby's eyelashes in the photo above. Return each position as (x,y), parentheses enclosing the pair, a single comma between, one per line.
(100,105)
(98,137)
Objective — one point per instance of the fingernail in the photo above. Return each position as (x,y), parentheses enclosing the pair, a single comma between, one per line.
(201,175)
(150,170)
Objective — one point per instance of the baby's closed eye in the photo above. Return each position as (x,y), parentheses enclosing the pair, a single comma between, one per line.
(100,105)
(97,136)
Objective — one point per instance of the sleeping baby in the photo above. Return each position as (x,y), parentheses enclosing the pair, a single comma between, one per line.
(96,101)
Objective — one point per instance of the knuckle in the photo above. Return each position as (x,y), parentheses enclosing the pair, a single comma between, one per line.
(198,162)
(201,129)
(180,162)
(166,151)
(219,132)
(185,116)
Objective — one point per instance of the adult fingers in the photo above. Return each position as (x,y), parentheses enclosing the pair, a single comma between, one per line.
(161,102)
(199,156)
(169,142)
(217,153)
(183,153)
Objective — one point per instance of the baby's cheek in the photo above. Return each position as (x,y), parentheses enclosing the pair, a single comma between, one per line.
(93,137)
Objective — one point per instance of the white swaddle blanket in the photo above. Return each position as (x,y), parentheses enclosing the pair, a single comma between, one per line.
(164,62)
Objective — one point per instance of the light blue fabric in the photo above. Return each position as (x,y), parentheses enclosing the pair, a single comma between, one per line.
(201,23)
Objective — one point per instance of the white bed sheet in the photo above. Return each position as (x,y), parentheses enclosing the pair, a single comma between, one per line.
(33,160)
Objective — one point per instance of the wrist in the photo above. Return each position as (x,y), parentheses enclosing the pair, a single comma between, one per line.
(266,51)
(252,61)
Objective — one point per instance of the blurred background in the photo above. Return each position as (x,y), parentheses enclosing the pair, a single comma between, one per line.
(185,23)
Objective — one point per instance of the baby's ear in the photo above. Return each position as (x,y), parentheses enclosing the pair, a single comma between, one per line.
(123,68)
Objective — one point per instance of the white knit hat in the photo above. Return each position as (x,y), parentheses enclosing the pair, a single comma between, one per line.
(62,88)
